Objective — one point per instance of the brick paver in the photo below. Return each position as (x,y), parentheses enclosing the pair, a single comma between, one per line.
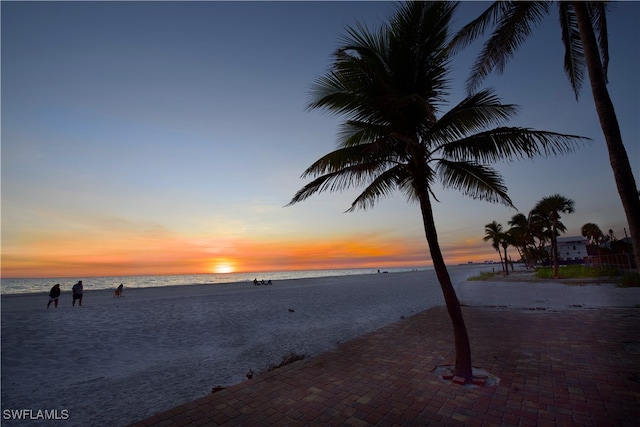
(567,368)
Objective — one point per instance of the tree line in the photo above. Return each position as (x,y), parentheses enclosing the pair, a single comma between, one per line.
(530,234)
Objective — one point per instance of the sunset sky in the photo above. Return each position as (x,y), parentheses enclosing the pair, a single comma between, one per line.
(167,137)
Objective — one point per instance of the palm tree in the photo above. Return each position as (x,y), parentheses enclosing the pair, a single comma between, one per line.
(522,236)
(584,34)
(541,230)
(592,232)
(505,240)
(551,207)
(493,233)
(389,85)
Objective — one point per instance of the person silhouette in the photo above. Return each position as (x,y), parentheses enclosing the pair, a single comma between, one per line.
(77,290)
(54,294)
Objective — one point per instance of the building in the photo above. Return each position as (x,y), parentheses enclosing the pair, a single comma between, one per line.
(572,249)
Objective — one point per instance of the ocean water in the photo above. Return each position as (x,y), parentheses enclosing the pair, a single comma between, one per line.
(40,285)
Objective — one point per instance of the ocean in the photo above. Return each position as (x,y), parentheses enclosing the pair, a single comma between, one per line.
(12,286)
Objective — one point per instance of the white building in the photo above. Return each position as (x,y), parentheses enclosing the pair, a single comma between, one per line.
(572,248)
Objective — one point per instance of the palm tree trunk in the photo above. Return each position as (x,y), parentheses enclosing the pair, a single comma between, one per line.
(463,349)
(506,262)
(520,252)
(500,255)
(554,246)
(618,158)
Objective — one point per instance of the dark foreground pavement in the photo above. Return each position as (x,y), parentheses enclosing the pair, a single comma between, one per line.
(567,368)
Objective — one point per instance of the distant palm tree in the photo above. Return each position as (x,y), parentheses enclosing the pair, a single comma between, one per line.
(493,233)
(526,229)
(541,229)
(592,232)
(390,85)
(584,35)
(506,239)
(521,232)
(551,207)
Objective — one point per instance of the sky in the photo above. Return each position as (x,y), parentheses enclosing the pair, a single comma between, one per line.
(145,138)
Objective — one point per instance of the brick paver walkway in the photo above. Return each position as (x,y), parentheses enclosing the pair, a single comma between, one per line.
(577,367)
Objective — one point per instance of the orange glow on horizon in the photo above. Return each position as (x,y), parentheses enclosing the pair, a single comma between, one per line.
(158,254)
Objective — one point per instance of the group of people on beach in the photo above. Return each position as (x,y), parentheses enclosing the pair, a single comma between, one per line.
(76,290)
(262,282)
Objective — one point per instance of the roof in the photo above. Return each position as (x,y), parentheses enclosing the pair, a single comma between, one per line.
(578,239)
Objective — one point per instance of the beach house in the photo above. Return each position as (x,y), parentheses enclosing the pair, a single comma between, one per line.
(572,250)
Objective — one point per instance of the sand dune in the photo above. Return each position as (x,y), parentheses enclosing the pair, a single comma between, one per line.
(117,360)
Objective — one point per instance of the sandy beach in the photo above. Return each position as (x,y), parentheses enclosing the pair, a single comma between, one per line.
(114,361)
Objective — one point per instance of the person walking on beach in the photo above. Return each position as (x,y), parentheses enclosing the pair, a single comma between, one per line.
(118,292)
(54,294)
(77,293)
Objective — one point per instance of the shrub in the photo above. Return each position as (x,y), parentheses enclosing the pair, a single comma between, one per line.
(483,276)
(630,280)
(575,272)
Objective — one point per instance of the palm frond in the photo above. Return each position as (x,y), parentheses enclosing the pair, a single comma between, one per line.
(357,132)
(513,28)
(330,93)
(574,61)
(555,203)
(560,226)
(598,12)
(316,186)
(359,161)
(383,185)
(519,220)
(470,32)
(353,86)
(338,180)
(475,113)
(511,143)
(364,42)
(346,93)
(474,180)
(420,38)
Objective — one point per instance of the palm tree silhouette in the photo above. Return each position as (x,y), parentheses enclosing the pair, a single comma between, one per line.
(522,237)
(584,35)
(493,233)
(389,85)
(505,241)
(593,233)
(551,207)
